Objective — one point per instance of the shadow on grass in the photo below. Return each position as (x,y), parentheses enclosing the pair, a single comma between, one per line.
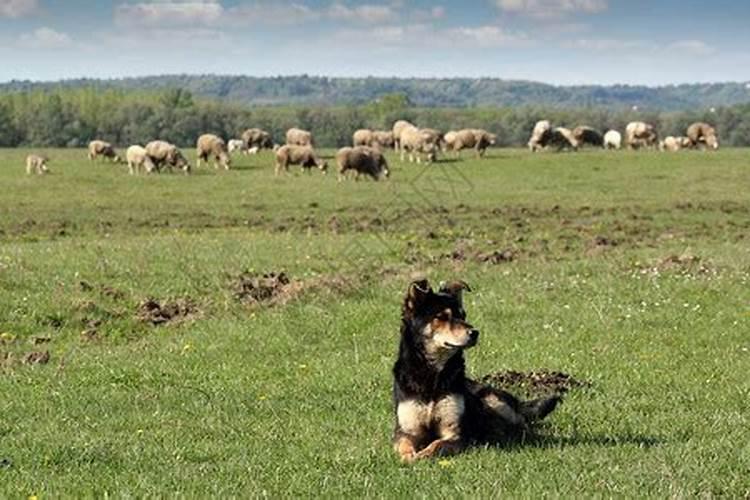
(601,440)
(249,167)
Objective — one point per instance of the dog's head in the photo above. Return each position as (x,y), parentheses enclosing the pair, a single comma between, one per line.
(437,320)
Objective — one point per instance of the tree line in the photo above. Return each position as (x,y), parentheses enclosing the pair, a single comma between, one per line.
(423,92)
(73,117)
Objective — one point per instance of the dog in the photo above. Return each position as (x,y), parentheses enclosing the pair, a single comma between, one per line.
(438,410)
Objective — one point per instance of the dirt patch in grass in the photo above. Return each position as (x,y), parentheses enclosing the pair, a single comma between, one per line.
(255,288)
(36,358)
(277,288)
(103,290)
(157,312)
(464,253)
(687,265)
(497,256)
(91,329)
(534,383)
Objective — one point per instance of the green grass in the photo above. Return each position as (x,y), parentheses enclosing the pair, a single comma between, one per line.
(294,399)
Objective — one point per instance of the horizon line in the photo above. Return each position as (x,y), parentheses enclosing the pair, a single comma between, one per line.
(368,77)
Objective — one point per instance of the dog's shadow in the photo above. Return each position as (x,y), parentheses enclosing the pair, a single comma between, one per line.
(544,441)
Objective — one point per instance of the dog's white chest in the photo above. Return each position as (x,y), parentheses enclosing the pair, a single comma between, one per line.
(414,416)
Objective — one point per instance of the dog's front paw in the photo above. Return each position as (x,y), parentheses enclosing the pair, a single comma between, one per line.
(406,450)
(440,447)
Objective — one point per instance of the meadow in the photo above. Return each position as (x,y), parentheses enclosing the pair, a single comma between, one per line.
(141,352)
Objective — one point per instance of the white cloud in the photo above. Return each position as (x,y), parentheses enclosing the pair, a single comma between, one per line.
(691,47)
(551,8)
(18,8)
(607,44)
(426,35)
(486,36)
(370,14)
(165,13)
(271,13)
(45,38)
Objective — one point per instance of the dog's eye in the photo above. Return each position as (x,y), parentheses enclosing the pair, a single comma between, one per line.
(444,315)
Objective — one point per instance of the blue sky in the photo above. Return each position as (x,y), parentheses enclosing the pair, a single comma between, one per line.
(555,41)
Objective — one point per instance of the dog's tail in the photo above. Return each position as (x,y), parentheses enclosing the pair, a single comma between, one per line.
(537,409)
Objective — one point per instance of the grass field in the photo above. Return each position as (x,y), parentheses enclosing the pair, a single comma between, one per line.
(630,271)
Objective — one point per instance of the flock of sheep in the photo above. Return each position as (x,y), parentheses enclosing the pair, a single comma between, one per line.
(366,156)
(637,135)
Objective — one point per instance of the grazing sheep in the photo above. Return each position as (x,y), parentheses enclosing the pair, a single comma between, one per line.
(363,137)
(210,145)
(671,143)
(164,154)
(303,156)
(476,139)
(483,140)
(255,137)
(299,137)
(433,136)
(398,128)
(562,138)
(363,160)
(700,133)
(101,149)
(640,134)
(449,141)
(540,136)
(418,142)
(383,139)
(613,139)
(138,159)
(584,135)
(235,145)
(36,163)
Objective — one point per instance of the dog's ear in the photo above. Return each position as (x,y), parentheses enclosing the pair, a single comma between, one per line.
(417,293)
(455,289)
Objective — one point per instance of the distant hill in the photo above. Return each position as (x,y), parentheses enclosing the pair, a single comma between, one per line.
(449,92)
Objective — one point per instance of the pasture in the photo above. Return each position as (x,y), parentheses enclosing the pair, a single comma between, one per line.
(171,371)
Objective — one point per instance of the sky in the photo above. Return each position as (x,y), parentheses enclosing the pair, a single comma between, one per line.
(652,42)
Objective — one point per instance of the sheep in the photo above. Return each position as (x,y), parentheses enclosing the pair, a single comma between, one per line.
(562,138)
(702,133)
(255,137)
(449,141)
(419,142)
(102,149)
(138,159)
(36,163)
(613,139)
(540,135)
(463,139)
(363,137)
(210,145)
(299,137)
(383,139)
(397,129)
(584,135)
(640,134)
(235,145)
(476,139)
(303,156)
(164,154)
(363,160)
(671,143)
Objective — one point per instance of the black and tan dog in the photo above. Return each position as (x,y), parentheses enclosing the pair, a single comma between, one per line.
(438,410)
